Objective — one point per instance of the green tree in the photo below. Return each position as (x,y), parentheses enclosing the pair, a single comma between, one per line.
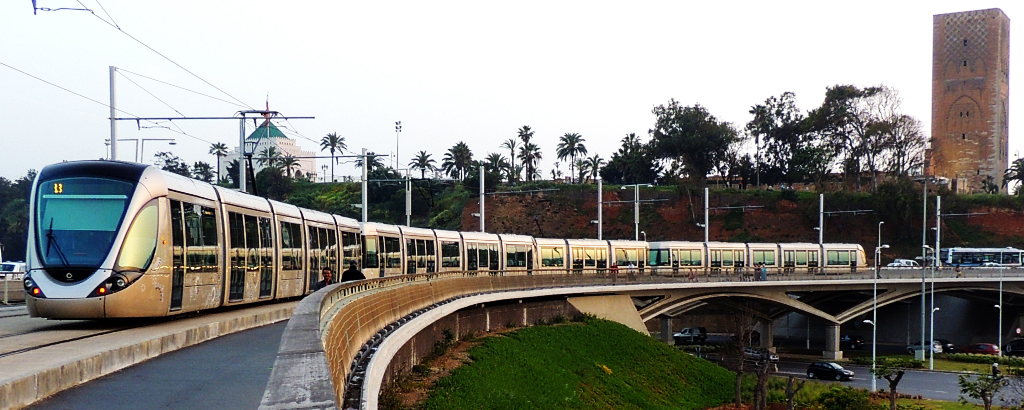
(633,163)
(203,172)
(422,162)
(334,143)
(513,171)
(171,163)
(1015,176)
(692,136)
(594,164)
(219,150)
(530,155)
(906,144)
(570,145)
(232,178)
(457,161)
(375,162)
(892,370)
(844,398)
(269,157)
(778,131)
(982,387)
(290,164)
(496,163)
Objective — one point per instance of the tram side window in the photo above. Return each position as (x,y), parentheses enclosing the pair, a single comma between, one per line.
(689,257)
(314,254)
(287,247)
(266,256)
(471,253)
(177,239)
(450,254)
(551,257)
(492,256)
(602,258)
(838,258)
(510,256)
(431,256)
(211,240)
(658,257)
(236,222)
(350,245)
(768,257)
(716,259)
(812,259)
(370,257)
(392,252)
(331,248)
(517,255)
(421,252)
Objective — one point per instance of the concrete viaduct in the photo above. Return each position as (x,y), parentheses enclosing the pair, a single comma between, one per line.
(344,343)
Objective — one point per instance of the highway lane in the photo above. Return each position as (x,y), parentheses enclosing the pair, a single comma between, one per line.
(927,384)
(227,372)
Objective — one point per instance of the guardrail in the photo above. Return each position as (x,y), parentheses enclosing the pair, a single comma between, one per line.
(335,329)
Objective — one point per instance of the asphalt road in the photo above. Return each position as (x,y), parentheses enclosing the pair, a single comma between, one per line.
(229,372)
(928,384)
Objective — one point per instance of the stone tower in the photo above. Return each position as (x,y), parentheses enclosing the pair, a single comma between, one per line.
(970,97)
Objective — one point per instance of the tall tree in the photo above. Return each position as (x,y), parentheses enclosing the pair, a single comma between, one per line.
(334,143)
(530,155)
(422,162)
(457,161)
(203,172)
(569,146)
(170,162)
(219,150)
(594,164)
(633,163)
(778,131)
(269,157)
(906,143)
(290,164)
(496,163)
(1015,174)
(513,173)
(692,136)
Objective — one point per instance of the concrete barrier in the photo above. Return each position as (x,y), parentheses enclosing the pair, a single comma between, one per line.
(32,376)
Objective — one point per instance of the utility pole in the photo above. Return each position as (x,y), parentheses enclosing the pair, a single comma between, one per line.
(600,209)
(113,121)
(365,184)
(482,199)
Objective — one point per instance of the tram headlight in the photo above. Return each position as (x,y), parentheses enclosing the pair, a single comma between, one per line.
(32,288)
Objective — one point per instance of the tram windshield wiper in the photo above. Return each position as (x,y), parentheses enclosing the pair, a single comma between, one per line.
(51,241)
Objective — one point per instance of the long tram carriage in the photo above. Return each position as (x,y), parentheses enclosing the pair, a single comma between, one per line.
(117,239)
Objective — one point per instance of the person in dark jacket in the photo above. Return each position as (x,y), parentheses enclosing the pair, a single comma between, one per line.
(352,273)
(328,276)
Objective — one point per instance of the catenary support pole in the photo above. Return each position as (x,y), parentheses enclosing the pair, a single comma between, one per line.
(600,208)
(482,203)
(113,114)
(366,185)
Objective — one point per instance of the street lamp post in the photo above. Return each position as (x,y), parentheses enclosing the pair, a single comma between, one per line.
(398,133)
(931,336)
(874,314)
(1000,306)
(636,208)
(877,274)
(874,333)
(645,235)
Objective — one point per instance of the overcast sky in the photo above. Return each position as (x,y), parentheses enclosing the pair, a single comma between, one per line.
(450,71)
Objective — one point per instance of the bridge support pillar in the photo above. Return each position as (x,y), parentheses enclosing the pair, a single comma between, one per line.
(832,351)
(767,334)
(666,329)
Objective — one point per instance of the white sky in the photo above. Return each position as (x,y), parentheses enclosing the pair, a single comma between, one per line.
(450,71)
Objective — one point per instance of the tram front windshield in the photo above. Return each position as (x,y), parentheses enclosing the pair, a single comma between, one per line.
(78,218)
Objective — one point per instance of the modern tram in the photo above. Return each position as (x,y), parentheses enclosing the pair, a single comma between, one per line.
(119,239)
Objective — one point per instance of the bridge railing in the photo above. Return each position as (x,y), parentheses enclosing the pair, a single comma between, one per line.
(335,328)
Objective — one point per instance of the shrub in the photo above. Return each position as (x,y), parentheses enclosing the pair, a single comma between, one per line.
(845,398)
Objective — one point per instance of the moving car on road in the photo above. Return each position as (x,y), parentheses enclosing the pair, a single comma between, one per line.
(828,371)
(851,342)
(690,335)
(1014,348)
(981,348)
(760,355)
(936,347)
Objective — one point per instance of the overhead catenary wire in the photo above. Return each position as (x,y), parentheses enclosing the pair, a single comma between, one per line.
(121,70)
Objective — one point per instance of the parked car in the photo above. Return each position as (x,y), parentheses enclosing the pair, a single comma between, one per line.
(936,347)
(903,263)
(981,348)
(12,270)
(947,346)
(828,371)
(1014,348)
(760,355)
(690,335)
(851,342)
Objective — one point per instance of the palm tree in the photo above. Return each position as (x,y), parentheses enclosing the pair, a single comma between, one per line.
(530,155)
(1015,174)
(202,172)
(569,146)
(511,144)
(556,173)
(525,134)
(269,157)
(219,150)
(423,162)
(457,160)
(595,163)
(289,163)
(582,166)
(375,162)
(496,162)
(332,142)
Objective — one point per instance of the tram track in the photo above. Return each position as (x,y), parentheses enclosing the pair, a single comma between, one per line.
(54,343)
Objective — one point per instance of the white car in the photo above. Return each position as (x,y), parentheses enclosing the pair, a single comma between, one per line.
(903,263)
(12,270)
(936,347)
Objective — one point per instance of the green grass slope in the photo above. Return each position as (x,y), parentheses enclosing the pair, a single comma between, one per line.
(545,367)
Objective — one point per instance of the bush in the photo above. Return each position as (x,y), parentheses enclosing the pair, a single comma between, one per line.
(845,398)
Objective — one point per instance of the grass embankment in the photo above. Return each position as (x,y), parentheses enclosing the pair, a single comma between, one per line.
(583,365)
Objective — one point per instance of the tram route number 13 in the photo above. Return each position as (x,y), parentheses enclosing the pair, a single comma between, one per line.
(58,188)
